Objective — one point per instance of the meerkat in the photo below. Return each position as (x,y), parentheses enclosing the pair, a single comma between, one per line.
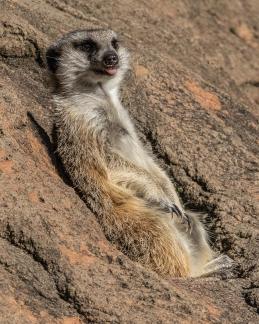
(133,198)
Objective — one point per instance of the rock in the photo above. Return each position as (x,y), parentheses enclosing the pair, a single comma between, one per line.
(191,99)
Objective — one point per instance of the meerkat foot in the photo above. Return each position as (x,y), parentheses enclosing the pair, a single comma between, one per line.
(220,264)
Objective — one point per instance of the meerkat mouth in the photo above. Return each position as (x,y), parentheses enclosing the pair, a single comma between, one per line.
(111,70)
(107,71)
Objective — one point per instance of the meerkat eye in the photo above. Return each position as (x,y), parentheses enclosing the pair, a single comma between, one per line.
(115,44)
(87,45)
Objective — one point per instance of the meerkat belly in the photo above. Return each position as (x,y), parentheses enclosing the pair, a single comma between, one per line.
(128,148)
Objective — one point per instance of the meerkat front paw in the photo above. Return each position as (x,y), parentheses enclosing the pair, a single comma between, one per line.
(173,209)
(185,218)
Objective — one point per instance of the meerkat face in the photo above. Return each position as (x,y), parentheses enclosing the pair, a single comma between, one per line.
(87,57)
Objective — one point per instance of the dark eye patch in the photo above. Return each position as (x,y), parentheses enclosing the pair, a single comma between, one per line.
(115,43)
(87,45)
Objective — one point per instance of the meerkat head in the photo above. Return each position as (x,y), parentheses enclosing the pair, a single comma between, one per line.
(85,58)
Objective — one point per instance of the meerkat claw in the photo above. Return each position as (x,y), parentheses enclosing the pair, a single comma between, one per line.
(175,210)
(189,222)
(184,217)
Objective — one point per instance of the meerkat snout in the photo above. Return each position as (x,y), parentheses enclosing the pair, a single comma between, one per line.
(110,62)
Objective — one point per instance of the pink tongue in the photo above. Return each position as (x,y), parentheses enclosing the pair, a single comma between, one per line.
(111,71)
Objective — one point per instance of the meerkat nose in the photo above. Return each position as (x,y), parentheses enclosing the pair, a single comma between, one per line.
(110,59)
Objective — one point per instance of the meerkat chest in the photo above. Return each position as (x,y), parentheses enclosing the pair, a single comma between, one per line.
(125,139)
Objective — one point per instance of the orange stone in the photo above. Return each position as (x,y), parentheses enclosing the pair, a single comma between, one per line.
(206,99)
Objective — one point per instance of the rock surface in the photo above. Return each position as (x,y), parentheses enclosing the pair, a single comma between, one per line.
(193,94)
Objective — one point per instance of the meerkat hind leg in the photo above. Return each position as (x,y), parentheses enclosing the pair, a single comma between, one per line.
(220,264)
(140,184)
(204,261)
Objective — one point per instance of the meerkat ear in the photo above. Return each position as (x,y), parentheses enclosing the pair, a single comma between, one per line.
(52,55)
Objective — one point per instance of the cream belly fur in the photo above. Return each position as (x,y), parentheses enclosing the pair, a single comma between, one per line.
(132,197)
